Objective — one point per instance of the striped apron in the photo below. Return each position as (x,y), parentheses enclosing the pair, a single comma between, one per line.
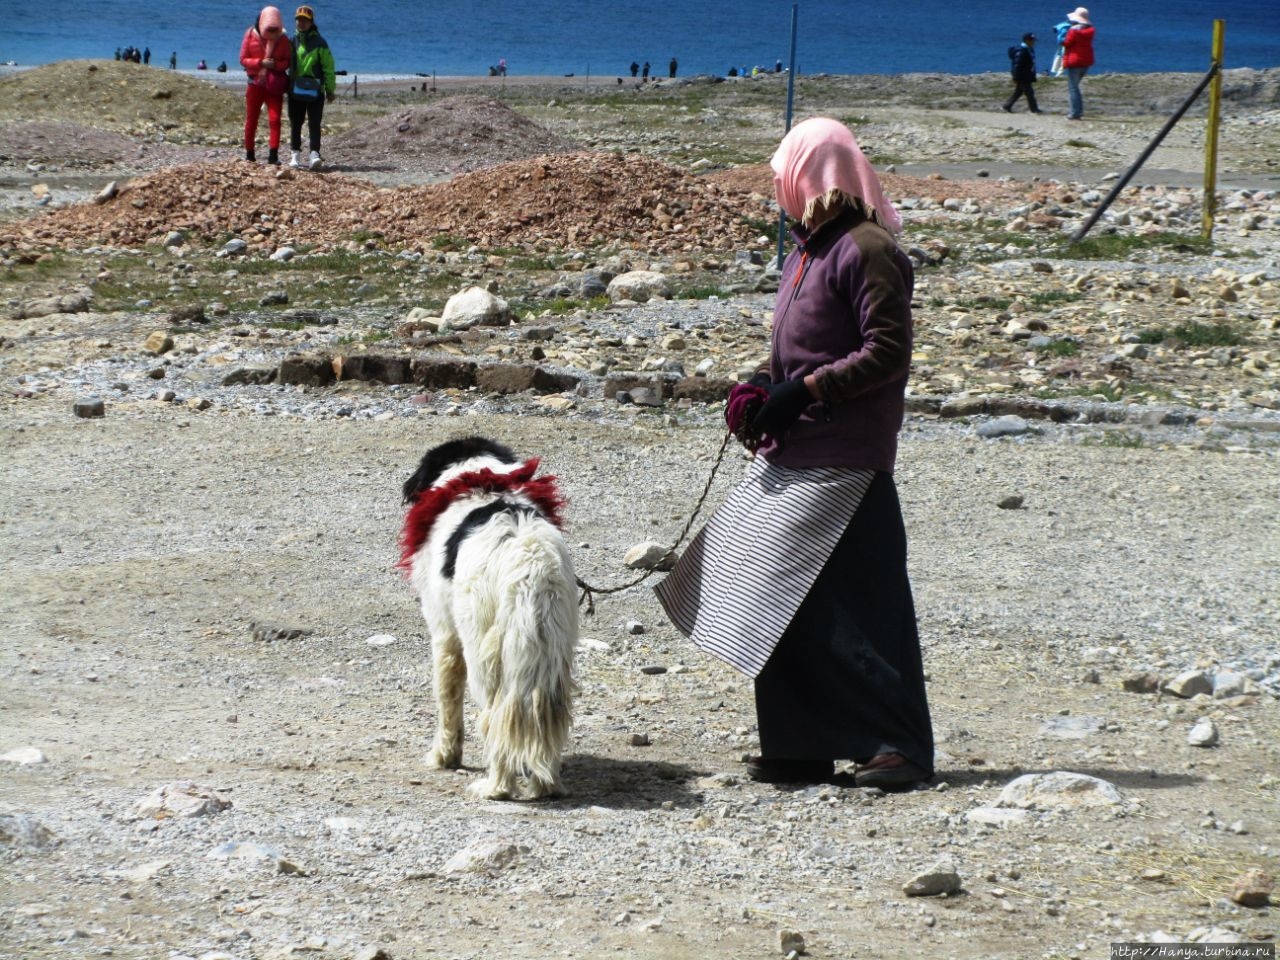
(737,586)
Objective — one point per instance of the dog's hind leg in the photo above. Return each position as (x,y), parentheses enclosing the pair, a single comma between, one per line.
(450,683)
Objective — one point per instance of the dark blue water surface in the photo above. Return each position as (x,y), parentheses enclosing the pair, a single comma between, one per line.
(602,37)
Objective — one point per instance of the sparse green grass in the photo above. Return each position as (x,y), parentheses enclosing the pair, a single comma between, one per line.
(1121,246)
(1048,298)
(1059,348)
(1084,144)
(1193,334)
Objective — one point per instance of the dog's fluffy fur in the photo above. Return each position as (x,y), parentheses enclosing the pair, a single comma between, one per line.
(498,592)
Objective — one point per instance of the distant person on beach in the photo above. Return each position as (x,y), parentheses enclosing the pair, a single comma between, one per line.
(146,55)
(1023,68)
(314,83)
(117,53)
(502,67)
(800,579)
(173,60)
(671,68)
(222,67)
(265,54)
(1077,58)
(644,73)
(635,68)
(202,65)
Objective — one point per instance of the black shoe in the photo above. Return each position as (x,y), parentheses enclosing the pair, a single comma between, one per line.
(1037,111)
(786,770)
(1006,108)
(890,771)
(248,155)
(273,158)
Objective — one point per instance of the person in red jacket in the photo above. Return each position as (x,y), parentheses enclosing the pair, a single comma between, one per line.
(1077,57)
(265,54)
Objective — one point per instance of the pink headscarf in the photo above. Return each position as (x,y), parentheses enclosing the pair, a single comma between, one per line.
(819,155)
(270,17)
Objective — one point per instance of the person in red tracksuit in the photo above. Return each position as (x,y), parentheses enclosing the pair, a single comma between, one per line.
(1077,57)
(265,54)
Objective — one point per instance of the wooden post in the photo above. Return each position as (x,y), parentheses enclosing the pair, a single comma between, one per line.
(1210,207)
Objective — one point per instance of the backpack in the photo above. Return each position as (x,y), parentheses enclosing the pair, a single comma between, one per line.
(1014,54)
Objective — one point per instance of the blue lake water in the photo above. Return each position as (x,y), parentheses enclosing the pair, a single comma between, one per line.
(602,37)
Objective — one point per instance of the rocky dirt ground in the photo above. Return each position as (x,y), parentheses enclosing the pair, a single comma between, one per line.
(215,690)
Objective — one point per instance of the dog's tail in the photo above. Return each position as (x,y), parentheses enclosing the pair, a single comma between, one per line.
(531,707)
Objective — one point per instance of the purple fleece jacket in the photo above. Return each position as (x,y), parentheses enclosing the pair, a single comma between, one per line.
(844,314)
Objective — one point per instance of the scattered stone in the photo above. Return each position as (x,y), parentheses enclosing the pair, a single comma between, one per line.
(1253,889)
(24,756)
(653,669)
(473,306)
(268,633)
(489,857)
(1009,426)
(181,799)
(1189,684)
(650,556)
(938,880)
(380,640)
(89,407)
(640,740)
(1228,683)
(1011,502)
(1059,791)
(639,286)
(1203,734)
(791,943)
(1141,683)
(158,343)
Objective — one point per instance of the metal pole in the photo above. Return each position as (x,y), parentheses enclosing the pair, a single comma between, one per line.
(791,96)
(1211,136)
(1142,158)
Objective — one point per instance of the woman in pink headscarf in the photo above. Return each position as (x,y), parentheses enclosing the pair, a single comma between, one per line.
(800,578)
(265,54)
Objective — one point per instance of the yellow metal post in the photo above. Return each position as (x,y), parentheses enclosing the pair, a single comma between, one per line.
(1211,136)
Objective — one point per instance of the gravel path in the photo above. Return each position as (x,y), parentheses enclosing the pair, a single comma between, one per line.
(141,549)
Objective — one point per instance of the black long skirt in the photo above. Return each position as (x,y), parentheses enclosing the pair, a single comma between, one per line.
(846,681)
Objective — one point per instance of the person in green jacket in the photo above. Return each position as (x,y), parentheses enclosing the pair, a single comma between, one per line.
(313,84)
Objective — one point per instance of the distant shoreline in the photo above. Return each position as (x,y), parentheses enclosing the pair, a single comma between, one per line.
(235,77)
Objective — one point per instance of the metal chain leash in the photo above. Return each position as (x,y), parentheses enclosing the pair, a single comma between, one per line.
(589,592)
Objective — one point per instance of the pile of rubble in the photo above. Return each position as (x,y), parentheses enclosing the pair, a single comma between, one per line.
(550,202)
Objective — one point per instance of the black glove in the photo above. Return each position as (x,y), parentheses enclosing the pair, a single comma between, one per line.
(787,400)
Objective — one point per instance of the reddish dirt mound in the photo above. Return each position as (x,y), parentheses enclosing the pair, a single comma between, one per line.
(444,138)
(576,201)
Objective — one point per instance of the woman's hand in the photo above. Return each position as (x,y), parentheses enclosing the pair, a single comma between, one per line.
(787,401)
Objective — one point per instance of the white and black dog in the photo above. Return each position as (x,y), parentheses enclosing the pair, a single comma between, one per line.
(482,547)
